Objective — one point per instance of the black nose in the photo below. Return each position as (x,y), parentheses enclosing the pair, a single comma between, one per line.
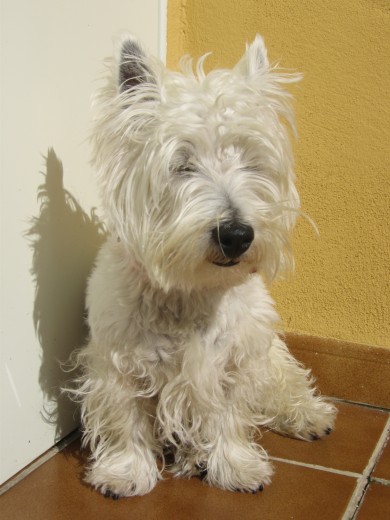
(233,238)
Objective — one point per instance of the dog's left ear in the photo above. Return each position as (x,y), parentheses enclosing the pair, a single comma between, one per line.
(255,59)
(133,66)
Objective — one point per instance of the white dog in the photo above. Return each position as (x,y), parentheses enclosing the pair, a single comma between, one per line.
(197,183)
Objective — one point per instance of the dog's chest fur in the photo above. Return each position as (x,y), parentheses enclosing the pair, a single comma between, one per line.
(140,311)
(161,328)
(175,314)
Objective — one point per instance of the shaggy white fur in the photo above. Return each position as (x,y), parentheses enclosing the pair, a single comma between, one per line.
(197,183)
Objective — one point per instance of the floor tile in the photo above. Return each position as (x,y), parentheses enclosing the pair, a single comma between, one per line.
(55,491)
(348,448)
(376,504)
(382,469)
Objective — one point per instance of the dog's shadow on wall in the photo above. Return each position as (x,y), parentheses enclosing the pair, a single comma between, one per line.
(65,240)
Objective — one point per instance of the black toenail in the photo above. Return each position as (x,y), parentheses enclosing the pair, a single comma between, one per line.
(202,469)
(110,494)
(314,437)
(260,488)
(328,431)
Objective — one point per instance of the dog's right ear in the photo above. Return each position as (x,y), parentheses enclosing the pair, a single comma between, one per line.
(255,59)
(133,65)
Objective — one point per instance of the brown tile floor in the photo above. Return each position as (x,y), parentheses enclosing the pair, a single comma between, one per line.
(320,480)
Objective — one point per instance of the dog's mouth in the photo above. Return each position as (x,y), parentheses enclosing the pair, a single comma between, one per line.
(229,263)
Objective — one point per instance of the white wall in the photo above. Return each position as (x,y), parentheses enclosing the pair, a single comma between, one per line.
(51,55)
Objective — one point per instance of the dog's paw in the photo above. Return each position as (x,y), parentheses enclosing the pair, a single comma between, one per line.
(311,421)
(254,492)
(109,494)
(239,468)
(125,480)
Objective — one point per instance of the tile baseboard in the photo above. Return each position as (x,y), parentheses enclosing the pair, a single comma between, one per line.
(345,370)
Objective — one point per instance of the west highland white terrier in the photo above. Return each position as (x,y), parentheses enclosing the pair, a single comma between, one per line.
(197,185)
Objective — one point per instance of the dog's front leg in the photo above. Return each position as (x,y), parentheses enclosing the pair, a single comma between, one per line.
(203,412)
(235,461)
(119,431)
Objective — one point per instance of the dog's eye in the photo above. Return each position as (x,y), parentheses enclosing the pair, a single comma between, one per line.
(187,169)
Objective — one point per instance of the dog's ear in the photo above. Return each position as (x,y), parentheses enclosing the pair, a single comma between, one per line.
(255,59)
(133,65)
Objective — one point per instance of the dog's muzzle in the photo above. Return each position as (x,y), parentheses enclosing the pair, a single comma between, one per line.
(232,238)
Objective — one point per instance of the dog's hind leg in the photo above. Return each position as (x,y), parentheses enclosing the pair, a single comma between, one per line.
(290,400)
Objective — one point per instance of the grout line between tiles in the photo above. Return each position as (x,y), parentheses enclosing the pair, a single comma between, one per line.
(49,454)
(317,466)
(356,500)
(358,403)
(383,481)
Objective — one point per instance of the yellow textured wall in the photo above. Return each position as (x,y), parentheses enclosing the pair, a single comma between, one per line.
(341,285)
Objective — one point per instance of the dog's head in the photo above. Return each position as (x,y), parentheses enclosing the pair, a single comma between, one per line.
(196,169)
